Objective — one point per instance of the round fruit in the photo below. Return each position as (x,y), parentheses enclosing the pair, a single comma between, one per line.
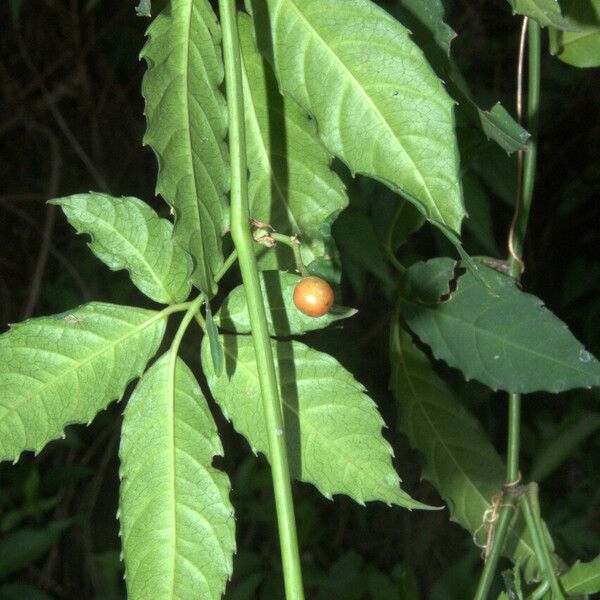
(313,296)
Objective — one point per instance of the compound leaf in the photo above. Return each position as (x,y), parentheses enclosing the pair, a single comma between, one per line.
(127,234)
(177,523)
(64,369)
(332,428)
(187,124)
(378,104)
(502,337)
(283,317)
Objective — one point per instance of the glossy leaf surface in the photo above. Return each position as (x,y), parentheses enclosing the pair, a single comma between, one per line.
(582,578)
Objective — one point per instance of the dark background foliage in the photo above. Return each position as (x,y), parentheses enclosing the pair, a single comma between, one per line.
(71,120)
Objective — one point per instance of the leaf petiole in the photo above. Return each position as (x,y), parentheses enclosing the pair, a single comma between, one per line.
(192,310)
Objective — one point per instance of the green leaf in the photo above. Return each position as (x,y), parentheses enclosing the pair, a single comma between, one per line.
(27,545)
(378,104)
(332,428)
(406,221)
(502,337)
(459,459)
(545,12)
(581,48)
(430,15)
(563,443)
(359,244)
(65,368)
(216,351)
(127,234)
(582,578)
(283,317)
(497,123)
(291,185)
(500,126)
(187,124)
(177,524)
(425,18)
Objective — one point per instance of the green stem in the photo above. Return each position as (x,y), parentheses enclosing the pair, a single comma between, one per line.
(514,438)
(174,308)
(192,310)
(226,266)
(244,244)
(295,246)
(531,512)
(489,569)
(540,591)
(518,230)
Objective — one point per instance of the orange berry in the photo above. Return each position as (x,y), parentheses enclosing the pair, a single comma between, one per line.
(313,296)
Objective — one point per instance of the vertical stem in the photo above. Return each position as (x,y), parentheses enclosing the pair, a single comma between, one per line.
(514,438)
(489,569)
(242,239)
(516,237)
(531,512)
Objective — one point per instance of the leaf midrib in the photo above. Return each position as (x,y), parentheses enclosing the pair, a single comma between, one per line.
(408,500)
(201,263)
(78,364)
(492,335)
(399,354)
(373,105)
(113,229)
